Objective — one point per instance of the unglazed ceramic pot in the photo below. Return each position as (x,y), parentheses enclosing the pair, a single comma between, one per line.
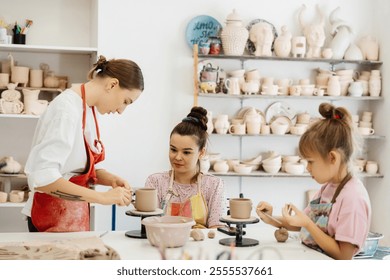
(240,208)
(32,105)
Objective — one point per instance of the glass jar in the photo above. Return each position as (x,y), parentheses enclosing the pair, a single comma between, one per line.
(215,45)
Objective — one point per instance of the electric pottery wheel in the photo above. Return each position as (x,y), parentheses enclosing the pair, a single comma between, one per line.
(238,241)
(141,233)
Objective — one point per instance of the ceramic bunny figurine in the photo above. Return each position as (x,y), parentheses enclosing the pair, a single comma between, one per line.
(314,33)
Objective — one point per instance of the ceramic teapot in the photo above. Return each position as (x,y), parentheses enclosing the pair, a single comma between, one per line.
(209,73)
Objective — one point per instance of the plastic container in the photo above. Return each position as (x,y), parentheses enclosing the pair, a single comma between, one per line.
(370,245)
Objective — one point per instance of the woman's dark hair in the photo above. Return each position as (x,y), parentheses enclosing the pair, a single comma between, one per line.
(333,132)
(195,124)
(126,71)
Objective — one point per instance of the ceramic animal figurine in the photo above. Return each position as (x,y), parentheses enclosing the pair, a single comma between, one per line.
(341,33)
(208,87)
(9,165)
(314,33)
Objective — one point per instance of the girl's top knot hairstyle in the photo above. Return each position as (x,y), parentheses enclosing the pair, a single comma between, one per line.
(334,132)
(127,72)
(195,124)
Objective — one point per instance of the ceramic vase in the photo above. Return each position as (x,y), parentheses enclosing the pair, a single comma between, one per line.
(334,88)
(222,124)
(369,47)
(234,35)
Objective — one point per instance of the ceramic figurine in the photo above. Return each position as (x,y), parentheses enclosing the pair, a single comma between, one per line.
(262,36)
(314,33)
(282,43)
(9,165)
(234,35)
(10,100)
(341,33)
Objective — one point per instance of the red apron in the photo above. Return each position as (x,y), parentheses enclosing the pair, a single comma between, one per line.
(53,214)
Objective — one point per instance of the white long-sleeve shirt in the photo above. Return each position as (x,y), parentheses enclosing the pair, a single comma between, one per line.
(58,146)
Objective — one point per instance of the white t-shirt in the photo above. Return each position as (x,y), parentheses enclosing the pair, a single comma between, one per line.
(58,146)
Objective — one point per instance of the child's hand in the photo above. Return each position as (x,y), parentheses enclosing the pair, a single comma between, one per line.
(294,216)
(264,207)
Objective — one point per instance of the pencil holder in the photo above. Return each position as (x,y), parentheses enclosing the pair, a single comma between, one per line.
(19,39)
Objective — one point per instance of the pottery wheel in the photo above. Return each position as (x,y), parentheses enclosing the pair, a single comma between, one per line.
(141,233)
(239,241)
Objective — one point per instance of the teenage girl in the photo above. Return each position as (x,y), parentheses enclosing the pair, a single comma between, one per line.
(338,218)
(184,190)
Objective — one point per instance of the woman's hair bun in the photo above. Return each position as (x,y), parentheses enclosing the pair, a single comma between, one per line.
(199,114)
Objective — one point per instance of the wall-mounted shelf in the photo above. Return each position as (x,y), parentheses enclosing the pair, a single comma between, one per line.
(275,58)
(284,175)
(376,137)
(47,49)
(255,96)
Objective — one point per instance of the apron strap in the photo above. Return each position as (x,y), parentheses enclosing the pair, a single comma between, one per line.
(341,186)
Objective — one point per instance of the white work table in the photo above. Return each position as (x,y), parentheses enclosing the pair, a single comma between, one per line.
(140,249)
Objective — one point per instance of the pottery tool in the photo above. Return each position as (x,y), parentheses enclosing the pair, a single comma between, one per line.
(272,217)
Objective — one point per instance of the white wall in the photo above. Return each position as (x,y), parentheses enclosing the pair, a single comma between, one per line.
(152,33)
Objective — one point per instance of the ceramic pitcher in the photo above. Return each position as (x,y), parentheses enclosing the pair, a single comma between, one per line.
(32,105)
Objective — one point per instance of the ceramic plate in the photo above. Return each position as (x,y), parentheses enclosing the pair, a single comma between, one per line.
(250,47)
(200,28)
(279,109)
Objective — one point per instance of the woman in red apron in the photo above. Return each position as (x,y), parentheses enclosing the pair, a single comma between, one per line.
(184,191)
(64,160)
(338,218)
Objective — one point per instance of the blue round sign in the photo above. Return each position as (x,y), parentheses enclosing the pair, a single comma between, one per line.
(200,28)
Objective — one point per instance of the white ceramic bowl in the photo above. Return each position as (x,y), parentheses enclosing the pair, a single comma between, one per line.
(243,168)
(273,160)
(294,168)
(273,169)
(168,231)
(291,158)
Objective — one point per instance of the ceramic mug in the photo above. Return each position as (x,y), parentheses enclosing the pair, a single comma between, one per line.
(240,208)
(238,129)
(265,129)
(366,130)
(371,167)
(145,200)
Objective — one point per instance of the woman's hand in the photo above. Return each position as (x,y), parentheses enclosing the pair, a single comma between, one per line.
(294,217)
(120,196)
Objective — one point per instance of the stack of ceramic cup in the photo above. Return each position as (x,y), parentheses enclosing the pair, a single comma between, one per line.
(252,82)
(364,77)
(365,125)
